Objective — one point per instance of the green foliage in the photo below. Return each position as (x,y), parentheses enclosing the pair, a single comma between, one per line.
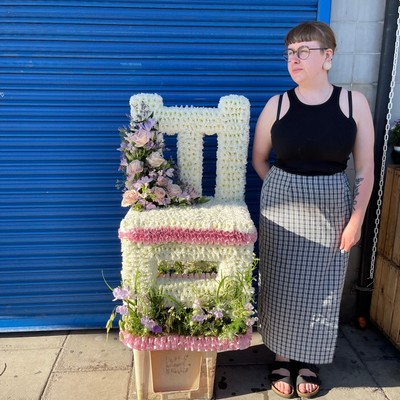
(394,136)
(180,267)
(224,313)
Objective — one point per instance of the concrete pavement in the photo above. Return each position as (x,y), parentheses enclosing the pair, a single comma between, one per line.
(84,366)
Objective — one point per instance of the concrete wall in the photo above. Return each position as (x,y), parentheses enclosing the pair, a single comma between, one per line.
(396,99)
(358,25)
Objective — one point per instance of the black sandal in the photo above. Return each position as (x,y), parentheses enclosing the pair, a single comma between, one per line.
(307,379)
(275,377)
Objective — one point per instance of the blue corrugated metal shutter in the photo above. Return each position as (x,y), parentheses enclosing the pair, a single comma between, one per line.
(68,69)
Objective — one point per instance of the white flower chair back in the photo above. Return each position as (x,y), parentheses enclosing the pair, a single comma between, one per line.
(219,230)
(230,121)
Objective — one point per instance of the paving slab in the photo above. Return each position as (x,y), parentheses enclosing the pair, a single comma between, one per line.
(361,393)
(387,375)
(232,381)
(88,385)
(370,344)
(256,355)
(244,374)
(84,365)
(26,372)
(94,351)
(251,383)
(32,341)
(347,370)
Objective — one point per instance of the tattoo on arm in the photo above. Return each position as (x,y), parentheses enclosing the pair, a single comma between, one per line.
(357,184)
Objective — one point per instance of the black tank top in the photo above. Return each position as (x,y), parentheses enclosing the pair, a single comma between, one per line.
(314,139)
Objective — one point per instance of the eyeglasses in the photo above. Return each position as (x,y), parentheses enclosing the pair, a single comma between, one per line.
(303,52)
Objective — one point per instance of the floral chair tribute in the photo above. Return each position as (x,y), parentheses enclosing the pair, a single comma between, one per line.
(186,270)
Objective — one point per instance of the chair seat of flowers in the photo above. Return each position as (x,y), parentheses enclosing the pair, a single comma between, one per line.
(219,231)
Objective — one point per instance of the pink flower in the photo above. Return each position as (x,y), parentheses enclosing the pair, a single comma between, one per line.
(251,321)
(141,137)
(163,181)
(134,167)
(129,197)
(160,194)
(155,159)
(174,190)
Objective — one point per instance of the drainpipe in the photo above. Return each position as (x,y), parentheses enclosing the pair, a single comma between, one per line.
(382,99)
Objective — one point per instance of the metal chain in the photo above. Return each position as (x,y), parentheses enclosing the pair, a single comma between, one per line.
(385,146)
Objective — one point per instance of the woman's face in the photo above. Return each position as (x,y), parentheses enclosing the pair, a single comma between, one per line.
(306,59)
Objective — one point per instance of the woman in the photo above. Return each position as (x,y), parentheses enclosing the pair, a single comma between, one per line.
(309,219)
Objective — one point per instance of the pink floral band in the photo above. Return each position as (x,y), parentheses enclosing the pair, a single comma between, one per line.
(184,235)
(188,343)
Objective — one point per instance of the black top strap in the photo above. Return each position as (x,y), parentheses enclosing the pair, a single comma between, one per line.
(350,103)
(278,112)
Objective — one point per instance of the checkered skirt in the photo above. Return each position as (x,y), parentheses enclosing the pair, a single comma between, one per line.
(302,270)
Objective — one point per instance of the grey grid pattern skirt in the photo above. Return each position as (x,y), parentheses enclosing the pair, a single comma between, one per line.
(302,270)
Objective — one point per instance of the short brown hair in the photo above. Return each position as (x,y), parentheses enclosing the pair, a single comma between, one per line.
(310,31)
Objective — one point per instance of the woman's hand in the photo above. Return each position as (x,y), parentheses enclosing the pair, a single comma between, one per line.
(351,236)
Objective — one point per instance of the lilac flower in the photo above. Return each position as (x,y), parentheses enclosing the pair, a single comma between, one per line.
(123,162)
(120,293)
(122,146)
(142,182)
(123,310)
(156,329)
(218,314)
(192,192)
(200,318)
(167,201)
(148,124)
(150,325)
(150,206)
(150,145)
(170,172)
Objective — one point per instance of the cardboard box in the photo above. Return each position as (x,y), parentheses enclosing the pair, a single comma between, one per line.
(174,374)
